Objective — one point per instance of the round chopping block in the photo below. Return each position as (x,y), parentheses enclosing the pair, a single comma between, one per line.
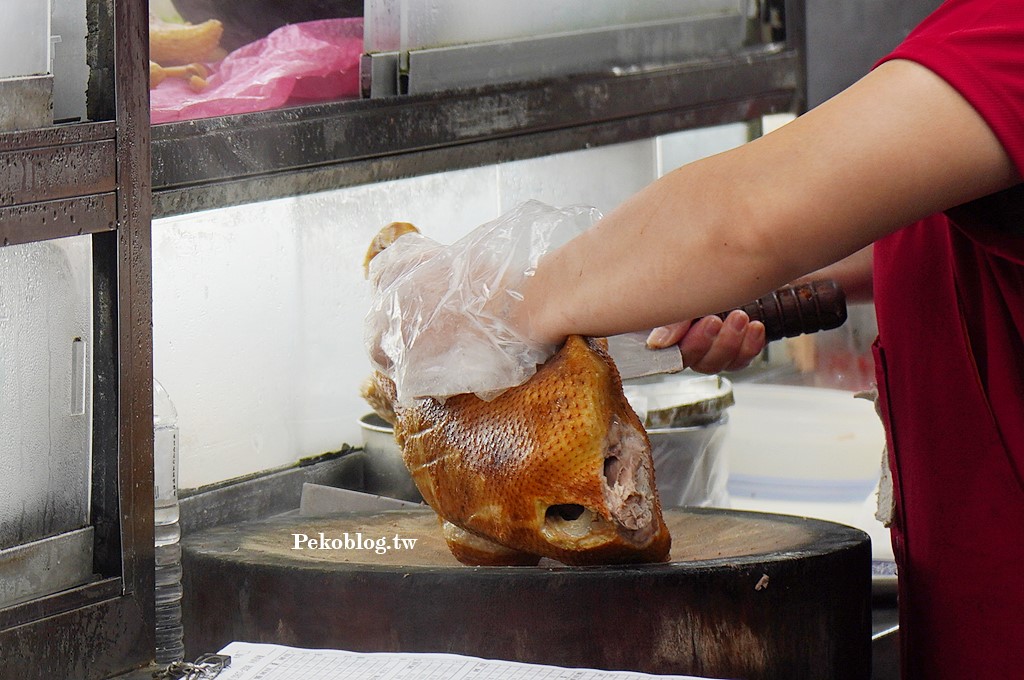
(745,595)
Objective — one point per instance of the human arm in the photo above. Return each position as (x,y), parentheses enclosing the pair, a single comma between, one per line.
(897,146)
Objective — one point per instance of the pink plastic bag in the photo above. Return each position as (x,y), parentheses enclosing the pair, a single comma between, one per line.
(298,63)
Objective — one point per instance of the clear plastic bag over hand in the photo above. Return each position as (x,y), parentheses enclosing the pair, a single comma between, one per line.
(442,318)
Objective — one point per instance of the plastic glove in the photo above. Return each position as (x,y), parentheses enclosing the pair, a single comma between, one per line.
(443,319)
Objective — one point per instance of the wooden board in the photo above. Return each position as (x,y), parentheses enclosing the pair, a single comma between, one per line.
(412,538)
(745,595)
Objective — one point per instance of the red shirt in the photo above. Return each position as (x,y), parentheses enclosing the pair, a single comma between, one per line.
(950,362)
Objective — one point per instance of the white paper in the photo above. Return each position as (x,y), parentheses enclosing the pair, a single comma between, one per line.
(258,661)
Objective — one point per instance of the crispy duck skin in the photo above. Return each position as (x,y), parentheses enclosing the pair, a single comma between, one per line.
(558,467)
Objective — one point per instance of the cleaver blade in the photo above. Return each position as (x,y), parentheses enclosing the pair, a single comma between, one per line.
(634,359)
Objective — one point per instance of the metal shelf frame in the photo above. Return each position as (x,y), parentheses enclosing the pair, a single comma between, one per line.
(94,179)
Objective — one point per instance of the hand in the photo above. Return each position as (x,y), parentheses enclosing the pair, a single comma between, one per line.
(710,345)
(445,320)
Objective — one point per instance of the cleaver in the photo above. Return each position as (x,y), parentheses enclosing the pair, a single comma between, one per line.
(789,311)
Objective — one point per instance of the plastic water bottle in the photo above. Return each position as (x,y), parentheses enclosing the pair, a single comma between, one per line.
(167,533)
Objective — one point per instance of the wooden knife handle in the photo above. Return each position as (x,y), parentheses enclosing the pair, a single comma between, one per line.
(795,310)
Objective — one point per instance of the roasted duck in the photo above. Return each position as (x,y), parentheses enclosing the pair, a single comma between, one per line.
(559,467)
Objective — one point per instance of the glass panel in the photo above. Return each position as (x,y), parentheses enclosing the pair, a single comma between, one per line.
(26,85)
(216,57)
(44,67)
(421,46)
(45,389)
(68,30)
(25,39)
(415,24)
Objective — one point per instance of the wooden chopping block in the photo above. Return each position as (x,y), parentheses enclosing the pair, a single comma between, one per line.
(745,595)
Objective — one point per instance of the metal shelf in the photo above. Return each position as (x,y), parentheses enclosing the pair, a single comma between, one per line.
(217,162)
(94,179)
(56,182)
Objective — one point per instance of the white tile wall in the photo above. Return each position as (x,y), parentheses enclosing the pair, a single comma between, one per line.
(602,177)
(680,148)
(258,316)
(258,309)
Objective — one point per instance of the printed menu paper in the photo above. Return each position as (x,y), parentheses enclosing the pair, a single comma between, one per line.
(258,661)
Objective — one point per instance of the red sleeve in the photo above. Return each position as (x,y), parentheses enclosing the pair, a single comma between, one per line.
(977,46)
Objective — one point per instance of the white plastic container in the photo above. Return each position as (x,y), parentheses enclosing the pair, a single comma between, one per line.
(812,452)
(803,444)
